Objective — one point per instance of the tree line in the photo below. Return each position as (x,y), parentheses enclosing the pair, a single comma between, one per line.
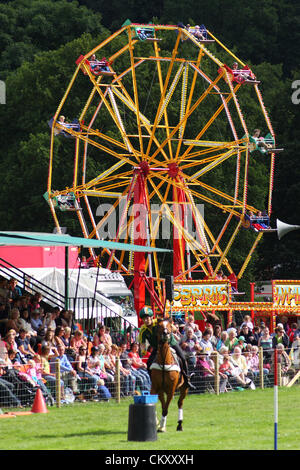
(40,41)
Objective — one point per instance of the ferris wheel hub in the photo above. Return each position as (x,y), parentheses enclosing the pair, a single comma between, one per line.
(144,166)
(173,170)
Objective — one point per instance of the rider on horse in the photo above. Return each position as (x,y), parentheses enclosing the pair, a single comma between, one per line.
(148,333)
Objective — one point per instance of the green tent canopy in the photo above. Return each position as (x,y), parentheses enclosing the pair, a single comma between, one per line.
(50,239)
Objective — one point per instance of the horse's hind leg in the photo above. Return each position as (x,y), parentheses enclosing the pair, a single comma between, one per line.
(183,394)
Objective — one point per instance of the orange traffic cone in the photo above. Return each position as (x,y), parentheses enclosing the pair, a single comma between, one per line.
(39,404)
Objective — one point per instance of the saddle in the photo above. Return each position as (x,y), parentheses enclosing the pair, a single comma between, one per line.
(167,367)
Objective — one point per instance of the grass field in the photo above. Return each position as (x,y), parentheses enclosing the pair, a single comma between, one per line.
(233,421)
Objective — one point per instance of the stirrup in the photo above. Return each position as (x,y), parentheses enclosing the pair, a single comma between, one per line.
(188,383)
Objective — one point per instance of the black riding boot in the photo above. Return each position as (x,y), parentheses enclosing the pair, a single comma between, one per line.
(187,380)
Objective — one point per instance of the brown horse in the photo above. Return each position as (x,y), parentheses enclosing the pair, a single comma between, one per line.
(165,375)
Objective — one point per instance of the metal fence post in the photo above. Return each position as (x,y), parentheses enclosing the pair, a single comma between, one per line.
(118,387)
(58,379)
(261,367)
(217,375)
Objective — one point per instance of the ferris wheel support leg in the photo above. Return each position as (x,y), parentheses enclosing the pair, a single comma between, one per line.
(178,240)
(139,239)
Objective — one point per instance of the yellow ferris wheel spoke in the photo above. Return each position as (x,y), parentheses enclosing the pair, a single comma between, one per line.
(187,115)
(209,123)
(135,91)
(174,52)
(213,164)
(191,94)
(127,100)
(160,79)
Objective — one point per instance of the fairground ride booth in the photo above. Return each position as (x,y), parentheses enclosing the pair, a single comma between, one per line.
(214,299)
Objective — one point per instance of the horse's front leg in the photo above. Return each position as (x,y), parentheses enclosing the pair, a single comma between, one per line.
(163,421)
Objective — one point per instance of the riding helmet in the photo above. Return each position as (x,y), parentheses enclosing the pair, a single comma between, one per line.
(146,312)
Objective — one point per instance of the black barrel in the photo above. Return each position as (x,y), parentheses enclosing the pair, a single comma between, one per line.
(142,422)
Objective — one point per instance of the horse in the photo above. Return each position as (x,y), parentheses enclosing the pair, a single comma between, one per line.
(166,377)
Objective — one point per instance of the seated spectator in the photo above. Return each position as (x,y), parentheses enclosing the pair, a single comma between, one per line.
(139,367)
(234,374)
(256,333)
(127,364)
(241,343)
(205,343)
(241,75)
(64,318)
(226,367)
(197,33)
(296,352)
(223,339)
(38,324)
(127,379)
(47,375)
(102,337)
(190,323)
(266,343)
(88,381)
(253,364)
(68,374)
(240,363)
(49,340)
(284,362)
(34,371)
(99,66)
(232,325)
(78,340)
(4,293)
(207,372)
(50,319)
(292,331)
(3,348)
(25,389)
(189,346)
(96,364)
(232,340)
(280,337)
(24,301)
(23,343)
(216,340)
(10,341)
(176,333)
(35,302)
(247,334)
(247,322)
(106,366)
(13,320)
(285,323)
(66,336)
(24,322)
(58,336)
(13,290)
(8,395)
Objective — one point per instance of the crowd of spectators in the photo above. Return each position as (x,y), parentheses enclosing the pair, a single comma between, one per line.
(236,349)
(34,338)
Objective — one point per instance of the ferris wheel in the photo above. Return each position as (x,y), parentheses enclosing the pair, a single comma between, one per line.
(161,121)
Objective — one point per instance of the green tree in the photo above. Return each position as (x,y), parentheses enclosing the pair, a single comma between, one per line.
(31,26)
